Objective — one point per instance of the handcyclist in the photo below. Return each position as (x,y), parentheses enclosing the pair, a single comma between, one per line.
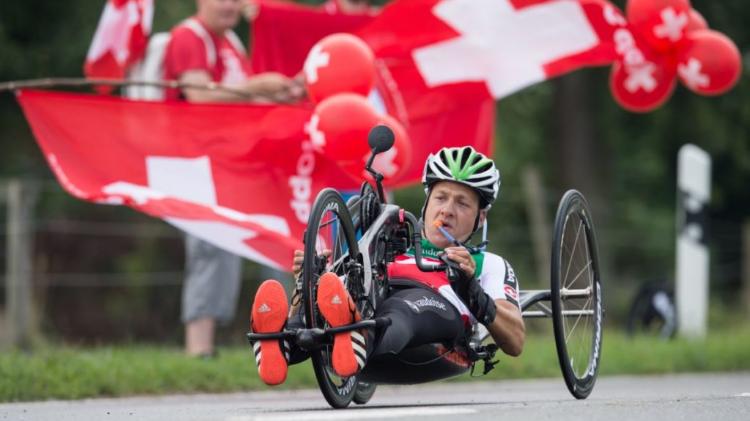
(461,186)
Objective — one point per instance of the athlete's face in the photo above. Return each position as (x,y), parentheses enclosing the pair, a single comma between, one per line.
(220,15)
(455,205)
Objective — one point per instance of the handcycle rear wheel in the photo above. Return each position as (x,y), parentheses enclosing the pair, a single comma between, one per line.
(329,228)
(576,294)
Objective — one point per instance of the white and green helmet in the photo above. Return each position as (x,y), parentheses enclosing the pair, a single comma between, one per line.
(466,166)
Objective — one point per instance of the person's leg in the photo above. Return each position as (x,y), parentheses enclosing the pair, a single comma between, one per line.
(270,320)
(418,316)
(337,307)
(199,334)
(209,294)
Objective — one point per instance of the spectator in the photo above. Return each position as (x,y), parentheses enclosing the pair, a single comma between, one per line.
(204,49)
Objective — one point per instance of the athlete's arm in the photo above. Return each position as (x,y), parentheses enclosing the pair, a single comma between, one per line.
(508,330)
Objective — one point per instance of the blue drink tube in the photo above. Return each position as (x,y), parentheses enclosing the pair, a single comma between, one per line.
(448,235)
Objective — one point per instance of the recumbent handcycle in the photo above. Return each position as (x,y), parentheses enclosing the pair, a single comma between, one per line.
(367,233)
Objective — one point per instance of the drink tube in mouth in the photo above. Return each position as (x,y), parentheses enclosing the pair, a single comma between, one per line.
(439,225)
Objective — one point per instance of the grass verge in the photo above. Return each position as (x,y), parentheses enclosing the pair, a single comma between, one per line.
(74,373)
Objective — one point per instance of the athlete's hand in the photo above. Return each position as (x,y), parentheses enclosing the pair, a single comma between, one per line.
(299,257)
(462,256)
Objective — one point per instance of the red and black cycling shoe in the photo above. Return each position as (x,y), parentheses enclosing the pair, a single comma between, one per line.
(337,307)
(269,312)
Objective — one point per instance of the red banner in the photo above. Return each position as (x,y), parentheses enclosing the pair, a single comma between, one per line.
(215,171)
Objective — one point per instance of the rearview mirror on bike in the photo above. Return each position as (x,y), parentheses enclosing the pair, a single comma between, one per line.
(380,139)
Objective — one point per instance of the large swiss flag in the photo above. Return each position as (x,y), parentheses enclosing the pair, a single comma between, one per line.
(441,64)
(502,45)
(214,170)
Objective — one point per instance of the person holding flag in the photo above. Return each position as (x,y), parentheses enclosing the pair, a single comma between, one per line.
(202,50)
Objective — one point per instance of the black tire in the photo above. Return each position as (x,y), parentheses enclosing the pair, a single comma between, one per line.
(330,224)
(363,393)
(577,321)
(653,312)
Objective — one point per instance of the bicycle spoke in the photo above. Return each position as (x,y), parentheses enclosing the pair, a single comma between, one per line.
(581,348)
(322,224)
(575,245)
(578,275)
(576,323)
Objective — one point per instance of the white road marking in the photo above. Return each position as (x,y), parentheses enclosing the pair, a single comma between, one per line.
(352,414)
(743,395)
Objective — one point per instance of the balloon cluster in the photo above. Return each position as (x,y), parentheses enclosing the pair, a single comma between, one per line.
(663,41)
(339,74)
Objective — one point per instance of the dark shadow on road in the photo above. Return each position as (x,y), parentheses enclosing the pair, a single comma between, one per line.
(400,406)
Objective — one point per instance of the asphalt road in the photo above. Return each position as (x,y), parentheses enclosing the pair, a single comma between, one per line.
(723,397)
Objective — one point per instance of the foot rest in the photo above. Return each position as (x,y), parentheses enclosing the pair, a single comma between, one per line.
(319,336)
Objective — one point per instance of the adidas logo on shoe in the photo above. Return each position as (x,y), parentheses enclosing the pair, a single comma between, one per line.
(264,308)
(336,299)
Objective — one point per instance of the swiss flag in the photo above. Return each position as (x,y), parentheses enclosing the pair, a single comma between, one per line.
(213,170)
(500,45)
(120,39)
(441,64)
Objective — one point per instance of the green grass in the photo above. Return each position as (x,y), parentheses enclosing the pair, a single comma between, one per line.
(72,373)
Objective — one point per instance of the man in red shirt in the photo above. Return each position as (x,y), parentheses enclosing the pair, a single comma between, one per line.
(202,50)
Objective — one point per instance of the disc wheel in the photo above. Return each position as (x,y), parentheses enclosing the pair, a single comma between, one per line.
(329,228)
(576,294)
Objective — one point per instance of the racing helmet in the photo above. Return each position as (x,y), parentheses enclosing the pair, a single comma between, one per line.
(466,166)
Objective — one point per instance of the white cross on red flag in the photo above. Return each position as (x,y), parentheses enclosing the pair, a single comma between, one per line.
(120,38)
(504,45)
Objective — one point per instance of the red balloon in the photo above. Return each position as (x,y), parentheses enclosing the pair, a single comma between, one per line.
(642,88)
(696,21)
(662,23)
(392,163)
(710,63)
(339,127)
(339,63)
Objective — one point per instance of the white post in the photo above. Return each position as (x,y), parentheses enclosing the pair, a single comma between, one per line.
(693,195)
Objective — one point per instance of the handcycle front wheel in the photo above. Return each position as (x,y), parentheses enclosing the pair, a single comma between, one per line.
(576,294)
(329,228)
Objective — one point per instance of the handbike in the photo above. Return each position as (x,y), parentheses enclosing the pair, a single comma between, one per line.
(356,240)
